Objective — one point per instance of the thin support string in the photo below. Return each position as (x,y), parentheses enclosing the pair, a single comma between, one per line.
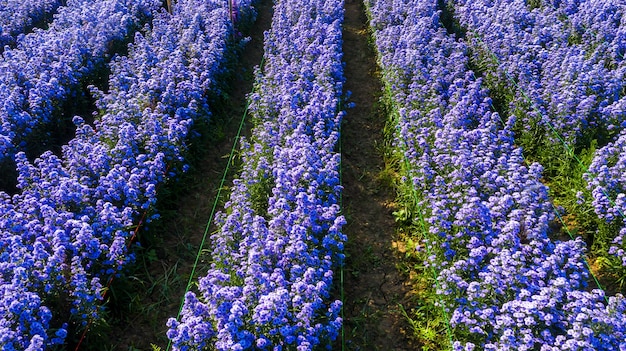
(107,288)
(425,232)
(563,224)
(568,149)
(140,223)
(556,211)
(342,266)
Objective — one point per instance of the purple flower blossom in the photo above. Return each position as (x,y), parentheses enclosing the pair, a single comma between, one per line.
(567,57)
(19,16)
(280,235)
(68,228)
(505,284)
(47,67)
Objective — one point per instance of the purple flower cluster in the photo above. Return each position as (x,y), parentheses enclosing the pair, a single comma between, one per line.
(607,183)
(603,23)
(67,230)
(504,284)
(49,66)
(19,16)
(268,287)
(564,61)
(577,85)
(599,25)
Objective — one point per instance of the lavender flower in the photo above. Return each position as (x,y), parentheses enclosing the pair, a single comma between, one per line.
(567,58)
(17,17)
(47,67)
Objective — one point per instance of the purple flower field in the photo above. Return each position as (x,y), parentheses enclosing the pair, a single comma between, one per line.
(502,280)
(280,238)
(486,101)
(67,230)
(16,17)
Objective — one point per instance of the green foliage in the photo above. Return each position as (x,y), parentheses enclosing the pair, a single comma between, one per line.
(427,324)
(534,4)
(566,183)
(575,38)
(260,192)
(612,267)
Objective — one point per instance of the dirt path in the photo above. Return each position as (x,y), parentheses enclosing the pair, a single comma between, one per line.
(373,286)
(151,292)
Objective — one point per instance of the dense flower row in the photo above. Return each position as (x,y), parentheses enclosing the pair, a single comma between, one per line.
(604,22)
(607,183)
(576,85)
(503,282)
(573,87)
(49,66)
(18,16)
(67,231)
(268,287)
(599,25)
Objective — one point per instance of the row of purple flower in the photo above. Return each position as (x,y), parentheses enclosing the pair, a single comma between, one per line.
(598,25)
(607,178)
(502,281)
(268,287)
(575,85)
(49,66)
(67,230)
(18,16)
(601,26)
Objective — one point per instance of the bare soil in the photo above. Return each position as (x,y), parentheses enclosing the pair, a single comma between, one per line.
(373,287)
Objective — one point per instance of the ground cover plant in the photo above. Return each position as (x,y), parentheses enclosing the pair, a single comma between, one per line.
(50,66)
(482,213)
(559,70)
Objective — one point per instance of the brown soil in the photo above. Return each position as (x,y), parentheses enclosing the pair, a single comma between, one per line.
(373,286)
(149,294)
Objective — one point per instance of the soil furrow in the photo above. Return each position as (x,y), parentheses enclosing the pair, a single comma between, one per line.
(374,289)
